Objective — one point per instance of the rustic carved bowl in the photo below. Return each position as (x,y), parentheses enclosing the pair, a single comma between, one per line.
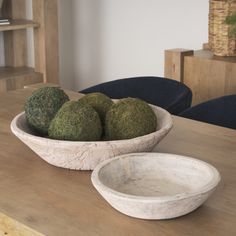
(86,155)
(155,185)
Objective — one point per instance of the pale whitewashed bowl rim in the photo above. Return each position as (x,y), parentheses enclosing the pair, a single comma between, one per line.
(158,199)
(16,130)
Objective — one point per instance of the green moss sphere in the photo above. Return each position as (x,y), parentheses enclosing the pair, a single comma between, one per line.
(99,101)
(76,122)
(42,106)
(129,118)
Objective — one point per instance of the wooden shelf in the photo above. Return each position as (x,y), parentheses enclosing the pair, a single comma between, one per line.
(44,21)
(17,77)
(19,24)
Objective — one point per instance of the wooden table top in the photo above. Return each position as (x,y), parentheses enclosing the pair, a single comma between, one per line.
(39,199)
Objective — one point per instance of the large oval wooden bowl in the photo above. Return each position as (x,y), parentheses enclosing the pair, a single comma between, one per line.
(86,155)
(155,185)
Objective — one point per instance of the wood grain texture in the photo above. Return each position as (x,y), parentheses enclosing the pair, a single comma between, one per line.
(46,39)
(52,43)
(15,78)
(174,63)
(18,24)
(15,43)
(208,76)
(10,227)
(55,201)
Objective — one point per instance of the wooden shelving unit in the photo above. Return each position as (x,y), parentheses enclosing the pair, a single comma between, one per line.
(16,74)
(19,24)
(12,78)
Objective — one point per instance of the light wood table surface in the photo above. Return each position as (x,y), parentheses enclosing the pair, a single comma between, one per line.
(39,199)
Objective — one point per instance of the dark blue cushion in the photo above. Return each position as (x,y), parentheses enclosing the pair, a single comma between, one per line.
(168,94)
(220,111)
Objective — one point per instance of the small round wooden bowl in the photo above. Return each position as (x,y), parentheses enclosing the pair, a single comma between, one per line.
(155,185)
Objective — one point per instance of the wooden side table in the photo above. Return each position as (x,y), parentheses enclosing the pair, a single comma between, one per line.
(208,76)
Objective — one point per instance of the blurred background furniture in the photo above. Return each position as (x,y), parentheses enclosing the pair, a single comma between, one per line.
(208,76)
(17,72)
(220,111)
(171,95)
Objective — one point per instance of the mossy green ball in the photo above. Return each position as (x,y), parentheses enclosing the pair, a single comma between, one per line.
(99,101)
(76,122)
(129,118)
(42,106)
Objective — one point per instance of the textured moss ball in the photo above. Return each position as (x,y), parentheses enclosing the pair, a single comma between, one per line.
(99,101)
(76,122)
(129,118)
(42,106)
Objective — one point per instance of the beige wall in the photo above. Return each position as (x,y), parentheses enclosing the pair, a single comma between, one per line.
(121,38)
(66,44)
(102,40)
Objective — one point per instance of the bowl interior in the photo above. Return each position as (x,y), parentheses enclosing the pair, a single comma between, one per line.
(22,124)
(164,123)
(164,119)
(156,175)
